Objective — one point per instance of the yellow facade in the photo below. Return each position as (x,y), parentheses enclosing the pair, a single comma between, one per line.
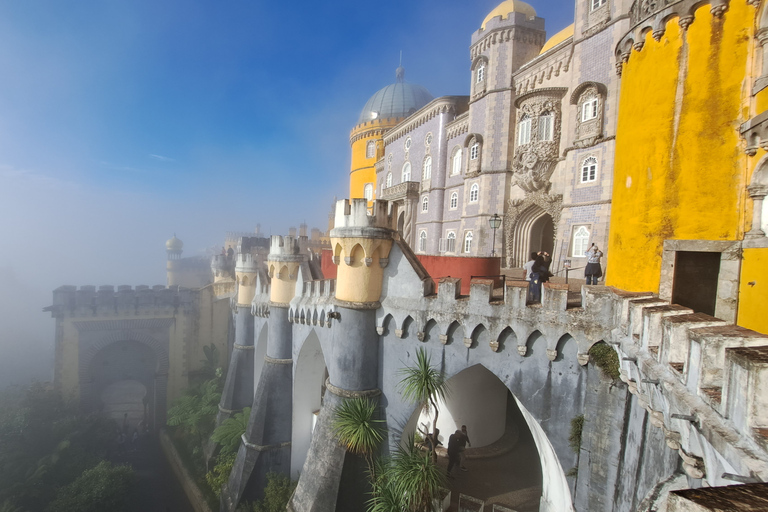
(363,169)
(283,285)
(680,171)
(360,275)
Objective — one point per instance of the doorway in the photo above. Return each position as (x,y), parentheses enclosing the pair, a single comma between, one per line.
(695,280)
(542,235)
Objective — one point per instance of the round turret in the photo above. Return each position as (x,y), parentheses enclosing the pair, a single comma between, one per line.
(174,244)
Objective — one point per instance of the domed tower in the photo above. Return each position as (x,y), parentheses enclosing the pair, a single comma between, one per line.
(381,112)
(173,247)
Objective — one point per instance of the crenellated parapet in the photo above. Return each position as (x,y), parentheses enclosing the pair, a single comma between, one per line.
(315,304)
(361,242)
(286,254)
(222,267)
(88,301)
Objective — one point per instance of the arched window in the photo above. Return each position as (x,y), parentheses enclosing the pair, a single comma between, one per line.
(425,204)
(389,179)
(370,149)
(427,173)
(580,241)
(456,162)
(474,193)
(406,172)
(368,191)
(451,247)
(524,130)
(481,73)
(454,200)
(546,126)
(468,242)
(423,241)
(474,151)
(589,170)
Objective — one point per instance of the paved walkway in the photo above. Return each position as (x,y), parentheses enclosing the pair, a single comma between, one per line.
(157,489)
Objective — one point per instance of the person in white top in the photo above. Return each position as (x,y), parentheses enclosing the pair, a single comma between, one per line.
(528,266)
(593,271)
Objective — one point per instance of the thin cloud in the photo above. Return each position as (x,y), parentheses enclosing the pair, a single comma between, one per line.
(125,168)
(163,158)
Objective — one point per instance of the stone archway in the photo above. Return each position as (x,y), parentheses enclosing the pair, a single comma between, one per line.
(533,219)
(309,377)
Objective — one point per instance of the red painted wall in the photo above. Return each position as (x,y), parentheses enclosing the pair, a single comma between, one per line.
(326,264)
(465,268)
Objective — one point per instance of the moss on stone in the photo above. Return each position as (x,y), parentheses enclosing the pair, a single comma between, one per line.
(605,358)
(577,425)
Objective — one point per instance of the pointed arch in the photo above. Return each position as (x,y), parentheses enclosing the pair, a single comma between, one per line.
(536,344)
(431,331)
(507,338)
(520,225)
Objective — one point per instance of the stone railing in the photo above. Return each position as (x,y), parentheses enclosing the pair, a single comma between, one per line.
(408,189)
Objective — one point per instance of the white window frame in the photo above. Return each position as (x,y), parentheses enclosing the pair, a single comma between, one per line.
(425,204)
(474,193)
(368,192)
(451,245)
(427,172)
(423,241)
(524,130)
(589,169)
(580,240)
(546,126)
(407,144)
(589,110)
(596,4)
(456,163)
(480,73)
(474,151)
(370,149)
(389,179)
(454,201)
(406,173)
(468,242)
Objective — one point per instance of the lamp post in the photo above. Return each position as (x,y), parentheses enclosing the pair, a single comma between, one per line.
(495,222)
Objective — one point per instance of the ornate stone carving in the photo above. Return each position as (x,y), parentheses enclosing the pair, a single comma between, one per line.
(551,204)
(684,22)
(718,10)
(642,9)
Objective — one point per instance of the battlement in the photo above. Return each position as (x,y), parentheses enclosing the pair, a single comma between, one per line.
(245,263)
(286,246)
(88,301)
(220,262)
(355,214)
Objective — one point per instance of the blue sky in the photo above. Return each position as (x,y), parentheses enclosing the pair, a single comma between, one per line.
(124,122)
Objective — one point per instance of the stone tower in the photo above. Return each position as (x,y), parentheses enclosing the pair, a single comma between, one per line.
(173,247)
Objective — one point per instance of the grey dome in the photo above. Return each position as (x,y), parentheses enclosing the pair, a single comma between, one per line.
(395,100)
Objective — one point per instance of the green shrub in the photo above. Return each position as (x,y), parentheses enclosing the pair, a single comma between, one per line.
(219,475)
(574,440)
(276,495)
(230,431)
(605,358)
(104,487)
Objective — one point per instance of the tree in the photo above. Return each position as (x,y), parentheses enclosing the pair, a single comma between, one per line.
(230,431)
(424,385)
(358,430)
(104,487)
(410,481)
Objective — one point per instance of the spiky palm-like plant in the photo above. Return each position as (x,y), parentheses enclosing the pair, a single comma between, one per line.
(410,481)
(424,384)
(357,428)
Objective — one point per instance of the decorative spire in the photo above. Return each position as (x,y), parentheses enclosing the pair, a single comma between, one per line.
(400,71)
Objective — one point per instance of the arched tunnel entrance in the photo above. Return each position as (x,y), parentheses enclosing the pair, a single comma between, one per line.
(125,383)
(510,460)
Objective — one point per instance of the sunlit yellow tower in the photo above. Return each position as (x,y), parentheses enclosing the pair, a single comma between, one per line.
(385,109)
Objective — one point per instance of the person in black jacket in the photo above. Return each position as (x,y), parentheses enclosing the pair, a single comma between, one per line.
(454,453)
(539,274)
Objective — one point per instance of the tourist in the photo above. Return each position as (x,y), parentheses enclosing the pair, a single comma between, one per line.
(453,450)
(539,274)
(593,271)
(463,446)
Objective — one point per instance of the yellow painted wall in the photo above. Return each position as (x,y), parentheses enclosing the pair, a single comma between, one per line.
(679,171)
(754,298)
(356,281)
(282,288)
(69,366)
(363,169)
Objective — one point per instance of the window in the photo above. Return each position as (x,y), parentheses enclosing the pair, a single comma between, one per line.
(481,73)
(454,200)
(389,163)
(406,172)
(425,204)
(524,131)
(427,174)
(370,149)
(580,241)
(368,191)
(589,110)
(456,163)
(546,124)
(428,139)
(474,193)
(451,246)
(407,143)
(423,241)
(597,3)
(468,242)
(389,179)
(474,151)
(589,170)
